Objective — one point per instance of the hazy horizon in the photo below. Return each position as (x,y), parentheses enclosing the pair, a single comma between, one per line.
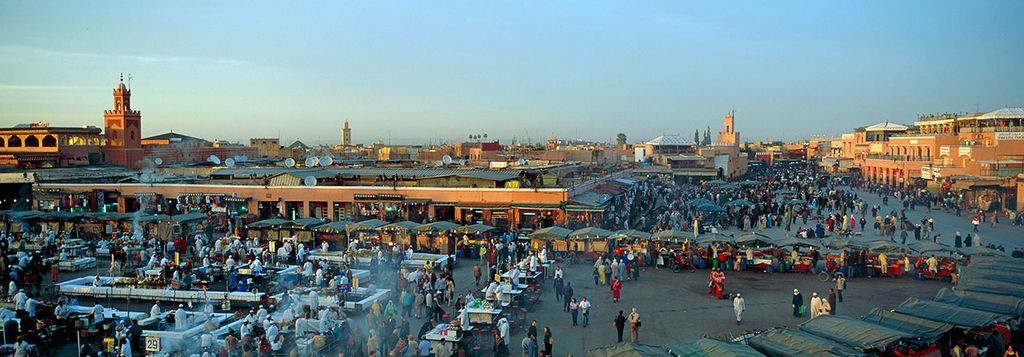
(417,72)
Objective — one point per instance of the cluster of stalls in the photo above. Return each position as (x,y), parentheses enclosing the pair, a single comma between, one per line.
(441,237)
(33,225)
(980,310)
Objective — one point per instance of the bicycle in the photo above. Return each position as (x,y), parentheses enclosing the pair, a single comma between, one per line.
(825,275)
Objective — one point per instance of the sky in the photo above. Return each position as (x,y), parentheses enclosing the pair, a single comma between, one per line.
(420,72)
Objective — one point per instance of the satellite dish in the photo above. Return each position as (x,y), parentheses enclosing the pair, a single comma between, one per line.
(158,161)
(326,161)
(311,161)
(438,163)
(229,162)
(309,181)
(522,161)
(214,159)
(447,160)
(289,162)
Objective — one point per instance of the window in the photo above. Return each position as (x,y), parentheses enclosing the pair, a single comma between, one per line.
(49,141)
(14,142)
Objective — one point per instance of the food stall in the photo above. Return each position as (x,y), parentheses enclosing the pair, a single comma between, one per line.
(436,237)
(481,312)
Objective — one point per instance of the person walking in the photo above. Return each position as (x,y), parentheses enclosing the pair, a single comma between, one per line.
(840,286)
(619,322)
(601,273)
(477,272)
(530,346)
(585,311)
(559,285)
(574,309)
(831,301)
(634,325)
(548,342)
(567,294)
(739,306)
(798,303)
(616,290)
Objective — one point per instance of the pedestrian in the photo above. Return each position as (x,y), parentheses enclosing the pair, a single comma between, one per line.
(616,290)
(831,301)
(567,294)
(798,303)
(619,322)
(585,311)
(815,305)
(558,288)
(548,342)
(477,273)
(840,286)
(532,330)
(634,325)
(601,273)
(574,310)
(530,346)
(739,306)
(825,307)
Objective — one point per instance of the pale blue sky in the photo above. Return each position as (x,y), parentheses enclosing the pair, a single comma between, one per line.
(420,70)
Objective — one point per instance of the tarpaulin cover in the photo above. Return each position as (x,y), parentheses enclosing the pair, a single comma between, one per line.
(782,342)
(991,287)
(998,263)
(942,312)
(628,349)
(551,233)
(712,347)
(853,332)
(999,304)
(925,329)
(992,273)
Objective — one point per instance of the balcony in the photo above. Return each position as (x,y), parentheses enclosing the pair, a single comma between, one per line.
(993,129)
(900,157)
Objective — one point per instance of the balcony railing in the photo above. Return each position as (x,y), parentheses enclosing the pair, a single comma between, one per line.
(993,129)
(900,157)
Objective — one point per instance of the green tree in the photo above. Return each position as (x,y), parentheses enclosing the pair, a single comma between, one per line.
(620,138)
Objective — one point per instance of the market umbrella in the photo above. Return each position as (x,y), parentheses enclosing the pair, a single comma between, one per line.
(632,233)
(474,229)
(924,246)
(730,186)
(842,243)
(672,235)
(887,246)
(403,226)
(740,202)
(698,202)
(439,226)
(794,242)
(590,233)
(551,233)
(981,251)
(715,238)
(711,207)
(796,201)
(307,223)
(749,183)
(784,192)
(754,239)
(268,223)
(367,225)
(333,227)
(716,182)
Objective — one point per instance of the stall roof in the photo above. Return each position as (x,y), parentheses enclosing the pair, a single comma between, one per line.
(551,233)
(632,233)
(853,332)
(972,272)
(474,229)
(333,227)
(991,287)
(186,217)
(952,314)
(924,329)
(439,226)
(712,347)
(309,222)
(590,233)
(367,225)
(270,223)
(783,342)
(403,225)
(628,349)
(998,304)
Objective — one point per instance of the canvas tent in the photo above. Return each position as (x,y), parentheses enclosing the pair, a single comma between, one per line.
(998,304)
(925,329)
(712,347)
(952,314)
(628,349)
(783,342)
(853,332)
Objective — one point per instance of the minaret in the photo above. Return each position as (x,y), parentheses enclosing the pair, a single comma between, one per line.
(729,136)
(346,135)
(122,128)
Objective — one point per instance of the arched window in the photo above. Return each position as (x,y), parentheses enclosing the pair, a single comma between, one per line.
(49,141)
(32,141)
(928,152)
(14,142)
(3,142)
(918,151)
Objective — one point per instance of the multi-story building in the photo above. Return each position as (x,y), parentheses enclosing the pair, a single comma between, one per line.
(39,145)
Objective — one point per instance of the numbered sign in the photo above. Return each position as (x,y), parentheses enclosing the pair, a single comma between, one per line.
(152,344)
